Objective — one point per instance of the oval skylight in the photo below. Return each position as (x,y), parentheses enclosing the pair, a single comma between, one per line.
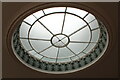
(60,40)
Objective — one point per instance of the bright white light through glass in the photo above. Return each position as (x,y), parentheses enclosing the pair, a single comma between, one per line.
(64,31)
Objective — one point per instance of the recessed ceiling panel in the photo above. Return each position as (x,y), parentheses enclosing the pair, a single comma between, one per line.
(60,40)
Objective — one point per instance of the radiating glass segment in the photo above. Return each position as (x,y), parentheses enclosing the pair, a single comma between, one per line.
(65,53)
(35,54)
(38,14)
(63,60)
(25,44)
(95,35)
(39,32)
(24,30)
(74,58)
(90,47)
(89,18)
(51,52)
(83,35)
(48,59)
(53,22)
(77,47)
(39,45)
(55,9)
(94,24)
(30,19)
(76,11)
(72,23)
(82,54)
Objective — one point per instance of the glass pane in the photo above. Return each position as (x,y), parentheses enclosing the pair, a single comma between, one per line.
(35,55)
(32,53)
(38,14)
(24,28)
(81,54)
(48,59)
(55,9)
(90,47)
(82,35)
(38,56)
(65,53)
(30,19)
(89,18)
(95,35)
(94,24)
(51,52)
(25,44)
(77,47)
(78,12)
(53,22)
(39,32)
(72,23)
(39,45)
(64,60)
(74,58)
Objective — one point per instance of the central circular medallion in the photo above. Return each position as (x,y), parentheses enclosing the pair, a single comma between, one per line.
(60,40)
